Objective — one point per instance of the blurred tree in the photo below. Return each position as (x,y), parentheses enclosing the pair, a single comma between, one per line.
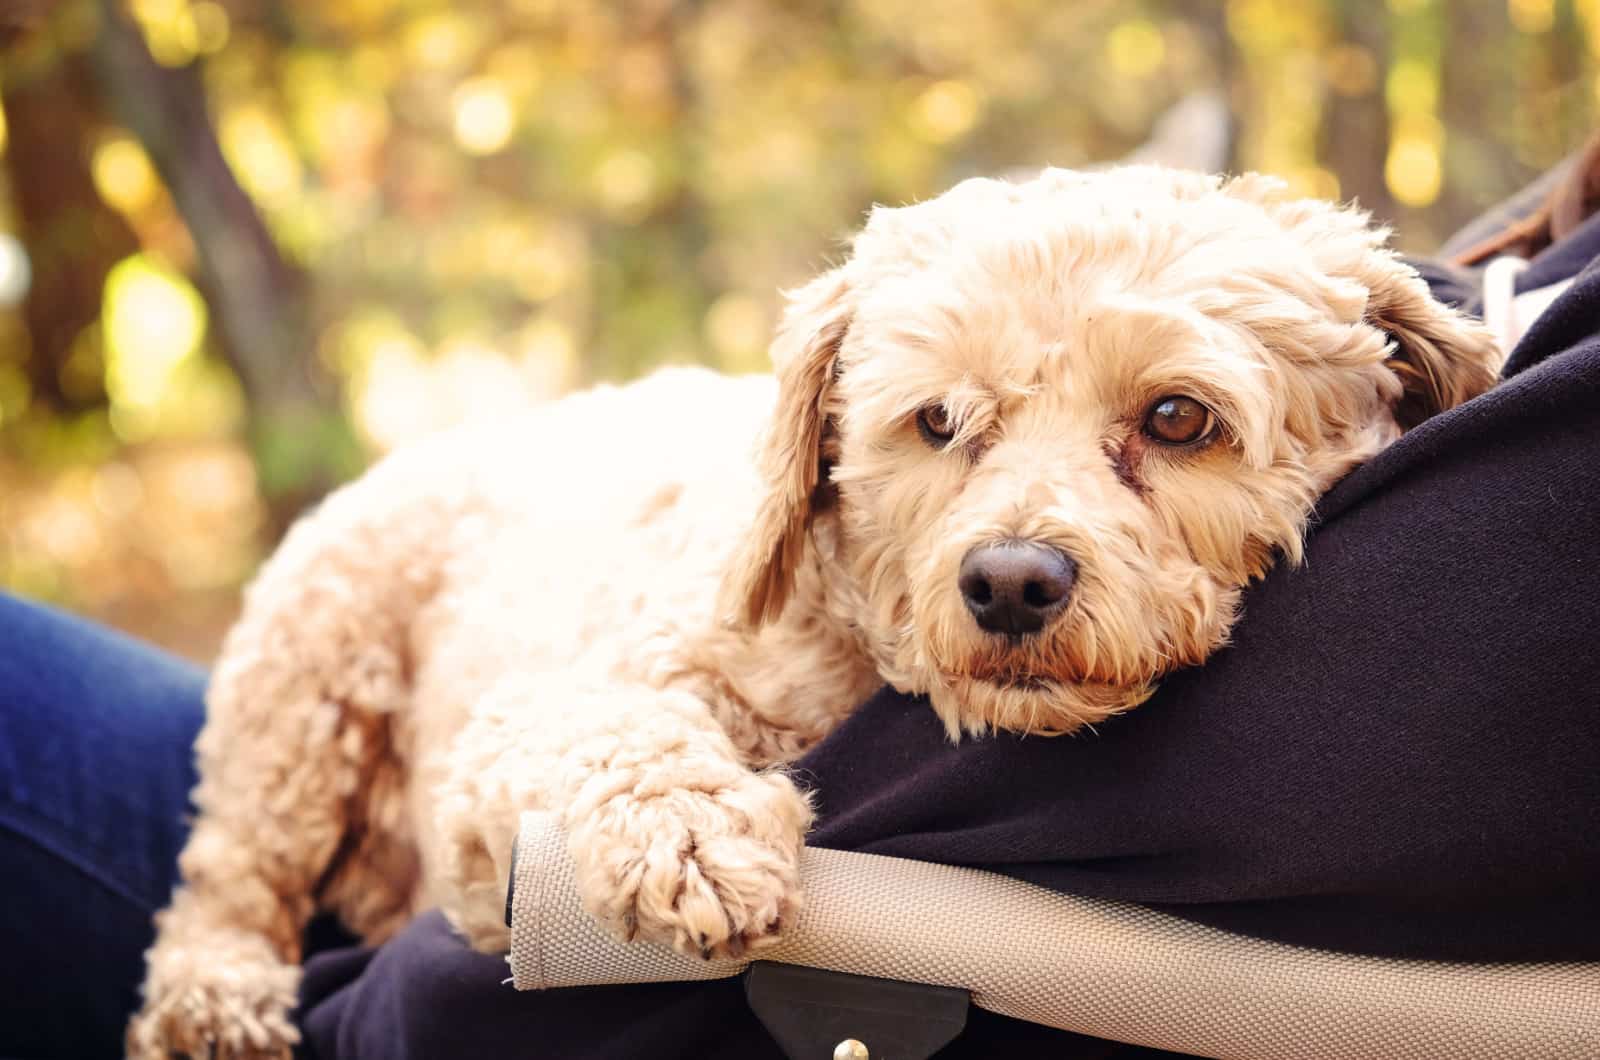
(1356,120)
(259,300)
(21,16)
(71,236)
(259,230)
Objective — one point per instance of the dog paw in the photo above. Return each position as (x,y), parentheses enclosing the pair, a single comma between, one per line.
(712,873)
(224,1000)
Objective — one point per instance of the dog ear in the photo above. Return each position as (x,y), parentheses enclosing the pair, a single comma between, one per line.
(1441,357)
(803,354)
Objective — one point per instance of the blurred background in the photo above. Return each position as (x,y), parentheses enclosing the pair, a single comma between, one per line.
(246,246)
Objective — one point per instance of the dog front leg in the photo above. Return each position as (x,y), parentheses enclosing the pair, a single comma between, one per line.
(298,716)
(675,840)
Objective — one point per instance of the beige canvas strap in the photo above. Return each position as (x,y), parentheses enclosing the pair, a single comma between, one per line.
(1108,969)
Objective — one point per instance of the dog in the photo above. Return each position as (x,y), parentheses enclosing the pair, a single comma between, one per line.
(1023,449)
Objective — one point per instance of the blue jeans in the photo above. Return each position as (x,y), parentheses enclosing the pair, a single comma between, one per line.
(96,764)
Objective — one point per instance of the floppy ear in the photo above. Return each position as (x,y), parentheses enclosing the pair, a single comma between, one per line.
(1441,357)
(762,572)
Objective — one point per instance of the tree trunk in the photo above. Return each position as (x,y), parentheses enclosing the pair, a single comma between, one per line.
(1355,129)
(71,236)
(259,301)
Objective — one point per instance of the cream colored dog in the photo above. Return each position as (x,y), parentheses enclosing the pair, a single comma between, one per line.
(1024,448)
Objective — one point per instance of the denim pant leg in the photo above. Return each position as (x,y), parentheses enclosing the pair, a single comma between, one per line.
(96,764)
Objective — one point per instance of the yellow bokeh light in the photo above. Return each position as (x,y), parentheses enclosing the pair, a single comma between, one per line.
(1532,16)
(170,31)
(1313,182)
(626,182)
(155,12)
(475,381)
(394,400)
(3,133)
(1266,26)
(945,110)
(1588,12)
(154,321)
(123,174)
(737,327)
(1413,86)
(442,41)
(345,127)
(541,271)
(211,26)
(516,66)
(548,354)
(1136,48)
(64,530)
(117,490)
(546,339)
(260,153)
(351,348)
(484,116)
(1412,170)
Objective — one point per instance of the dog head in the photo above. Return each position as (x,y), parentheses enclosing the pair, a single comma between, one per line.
(1059,425)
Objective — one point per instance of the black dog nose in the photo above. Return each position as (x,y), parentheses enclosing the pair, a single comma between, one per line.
(1016,587)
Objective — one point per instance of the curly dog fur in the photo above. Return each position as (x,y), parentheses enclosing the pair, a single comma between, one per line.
(527,615)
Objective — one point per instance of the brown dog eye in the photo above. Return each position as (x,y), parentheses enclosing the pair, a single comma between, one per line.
(936,425)
(1178,420)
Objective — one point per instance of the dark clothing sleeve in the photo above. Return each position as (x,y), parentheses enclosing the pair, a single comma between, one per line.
(1397,755)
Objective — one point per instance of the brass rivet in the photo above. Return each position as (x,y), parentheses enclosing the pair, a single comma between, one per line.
(850,1049)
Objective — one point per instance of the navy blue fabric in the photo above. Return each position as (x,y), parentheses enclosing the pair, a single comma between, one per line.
(96,765)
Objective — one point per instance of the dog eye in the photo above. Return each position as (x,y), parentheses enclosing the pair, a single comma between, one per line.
(1179,420)
(936,425)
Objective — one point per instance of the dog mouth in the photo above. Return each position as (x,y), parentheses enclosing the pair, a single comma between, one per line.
(1054,683)
(1020,682)
(1029,702)
(1016,679)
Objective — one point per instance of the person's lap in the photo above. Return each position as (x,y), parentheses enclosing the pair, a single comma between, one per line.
(96,732)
